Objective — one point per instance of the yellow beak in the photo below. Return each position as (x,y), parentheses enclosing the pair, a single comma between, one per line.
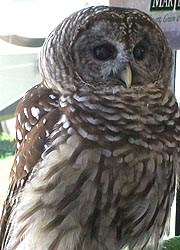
(126,75)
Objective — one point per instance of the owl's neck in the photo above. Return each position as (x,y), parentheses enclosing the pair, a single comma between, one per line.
(112,116)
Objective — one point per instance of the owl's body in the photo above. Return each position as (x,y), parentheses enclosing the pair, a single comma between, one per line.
(98,139)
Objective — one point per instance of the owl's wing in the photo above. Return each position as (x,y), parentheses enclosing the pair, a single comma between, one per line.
(36,115)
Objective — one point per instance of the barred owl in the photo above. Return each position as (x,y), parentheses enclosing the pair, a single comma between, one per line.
(97,140)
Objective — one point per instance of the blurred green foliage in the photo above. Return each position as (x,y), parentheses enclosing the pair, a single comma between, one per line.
(172,244)
(6,145)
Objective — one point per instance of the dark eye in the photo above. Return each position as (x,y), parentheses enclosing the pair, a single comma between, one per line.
(139,52)
(104,52)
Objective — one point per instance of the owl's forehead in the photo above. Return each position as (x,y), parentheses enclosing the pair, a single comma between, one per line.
(123,21)
(120,28)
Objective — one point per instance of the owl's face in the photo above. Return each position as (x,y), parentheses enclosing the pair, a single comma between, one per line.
(108,48)
(111,46)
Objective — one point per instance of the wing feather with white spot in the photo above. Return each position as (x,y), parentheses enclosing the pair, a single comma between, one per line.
(37,113)
(37,102)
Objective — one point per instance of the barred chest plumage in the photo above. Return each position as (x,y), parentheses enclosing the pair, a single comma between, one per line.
(103,157)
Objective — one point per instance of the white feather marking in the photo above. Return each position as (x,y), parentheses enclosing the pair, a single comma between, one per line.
(26,112)
(70,131)
(117,152)
(171,144)
(52,97)
(94,121)
(27,126)
(44,121)
(63,99)
(113,128)
(19,135)
(112,138)
(129,158)
(66,124)
(69,100)
(17,160)
(63,119)
(35,112)
(82,132)
(106,152)
(92,137)
(19,118)
(63,104)
(47,133)
(18,145)
(80,98)
(26,169)
(72,109)
(55,132)
(22,182)
(14,169)
(47,109)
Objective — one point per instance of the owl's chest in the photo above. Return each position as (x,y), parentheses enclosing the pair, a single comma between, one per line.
(128,189)
(130,169)
(89,191)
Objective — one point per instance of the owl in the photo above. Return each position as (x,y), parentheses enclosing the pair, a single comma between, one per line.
(97,140)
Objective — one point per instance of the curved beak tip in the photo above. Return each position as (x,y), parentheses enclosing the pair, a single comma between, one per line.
(126,75)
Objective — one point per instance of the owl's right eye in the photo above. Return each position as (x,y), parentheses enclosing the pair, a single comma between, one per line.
(139,52)
(104,52)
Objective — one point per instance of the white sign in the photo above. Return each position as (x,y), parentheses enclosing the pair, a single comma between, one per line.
(165,12)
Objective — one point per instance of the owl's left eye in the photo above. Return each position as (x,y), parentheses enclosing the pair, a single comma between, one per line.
(104,52)
(139,52)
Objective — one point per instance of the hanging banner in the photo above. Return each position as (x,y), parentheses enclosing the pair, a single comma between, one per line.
(165,12)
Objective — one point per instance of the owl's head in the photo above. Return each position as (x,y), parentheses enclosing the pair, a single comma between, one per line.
(103,46)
